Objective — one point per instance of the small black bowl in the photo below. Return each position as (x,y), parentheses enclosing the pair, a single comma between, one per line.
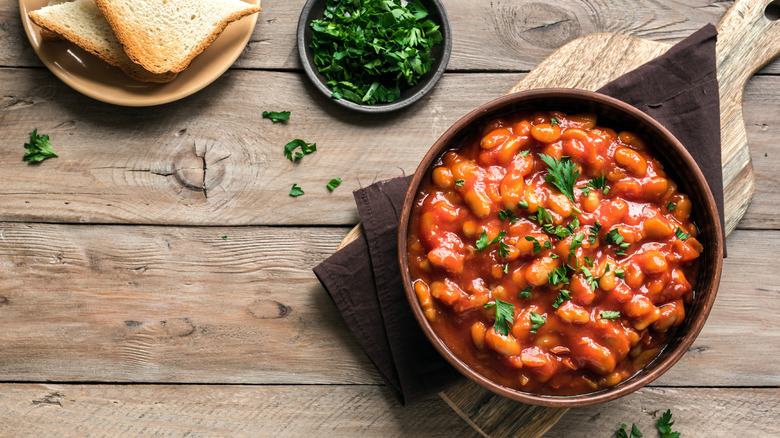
(440,53)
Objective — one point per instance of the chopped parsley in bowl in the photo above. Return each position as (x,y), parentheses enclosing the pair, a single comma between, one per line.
(374,55)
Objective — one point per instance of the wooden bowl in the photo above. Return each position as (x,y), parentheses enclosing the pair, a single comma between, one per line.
(440,53)
(678,164)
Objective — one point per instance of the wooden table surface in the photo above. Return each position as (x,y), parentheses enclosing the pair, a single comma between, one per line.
(156,277)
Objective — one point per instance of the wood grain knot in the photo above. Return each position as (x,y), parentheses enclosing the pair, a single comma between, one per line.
(539,24)
(3,301)
(53,398)
(268,309)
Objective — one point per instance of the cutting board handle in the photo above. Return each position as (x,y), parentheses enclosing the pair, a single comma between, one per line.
(747,41)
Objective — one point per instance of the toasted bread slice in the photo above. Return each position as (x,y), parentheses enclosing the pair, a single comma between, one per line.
(166,35)
(46,34)
(81,22)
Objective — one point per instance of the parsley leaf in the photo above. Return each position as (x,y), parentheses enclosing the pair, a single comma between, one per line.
(460,182)
(560,275)
(620,273)
(504,316)
(671,206)
(635,433)
(508,214)
(594,230)
(563,295)
(617,239)
(525,293)
(277,116)
(296,191)
(506,268)
(681,234)
(39,148)
(537,246)
(224,237)
(483,241)
(562,174)
(592,281)
(665,424)
(554,121)
(291,147)
(536,320)
(575,243)
(610,314)
(370,51)
(332,184)
(524,153)
(503,249)
(523,204)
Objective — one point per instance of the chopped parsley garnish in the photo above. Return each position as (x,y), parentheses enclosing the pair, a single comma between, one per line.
(610,314)
(536,320)
(503,249)
(547,244)
(681,234)
(671,206)
(460,182)
(506,268)
(277,116)
(665,424)
(306,148)
(588,261)
(483,241)
(594,230)
(562,174)
(296,191)
(553,256)
(564,232)
(593,282)
(537,245)
(332,184)
(585,190)
(615,238)
(634,433)
(525,293)
(596,183)
(39,148)
(504,315)
(563,295)
(554,121)
(522,204)
(620,273)
(524,153)
(370,50)
(575,243)
(224,237)
(508,214)
(560,275)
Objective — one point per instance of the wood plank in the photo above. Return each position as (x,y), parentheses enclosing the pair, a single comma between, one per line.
(139,304)
(488,35)
(696,413)
(293,411)
(130,165)
(51,410)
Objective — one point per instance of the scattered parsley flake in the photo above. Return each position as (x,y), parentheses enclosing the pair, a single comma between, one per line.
(554,121)
(563,295)
(277,116)
(460,182)
(332,184)
(39,148)
(524,153)
(537,245)
(522,204)
(562,174)
(681,234)
(560,275)
(671,206)
(588,261)
(504,316)
(617,239)
(483,241)
(508,214)
(620,273)
(296,191)
(665,424)
(593,282)
(506,268)
(306,149)
(594,230)
(503,249)
(536,320)
(525,293)
(610,314)
(224,237)
(634,433)
(575,243)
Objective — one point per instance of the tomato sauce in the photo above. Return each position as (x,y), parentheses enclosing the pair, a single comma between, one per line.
(538,291)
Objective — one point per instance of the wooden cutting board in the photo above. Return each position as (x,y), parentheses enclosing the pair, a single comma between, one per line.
(747,41)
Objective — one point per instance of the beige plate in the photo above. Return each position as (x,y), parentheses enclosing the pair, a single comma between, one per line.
(91,76)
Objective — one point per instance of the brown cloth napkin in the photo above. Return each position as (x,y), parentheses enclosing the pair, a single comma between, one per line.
(679,89)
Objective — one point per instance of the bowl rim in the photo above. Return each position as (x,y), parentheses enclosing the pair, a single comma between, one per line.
(430,81)
(708,290)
